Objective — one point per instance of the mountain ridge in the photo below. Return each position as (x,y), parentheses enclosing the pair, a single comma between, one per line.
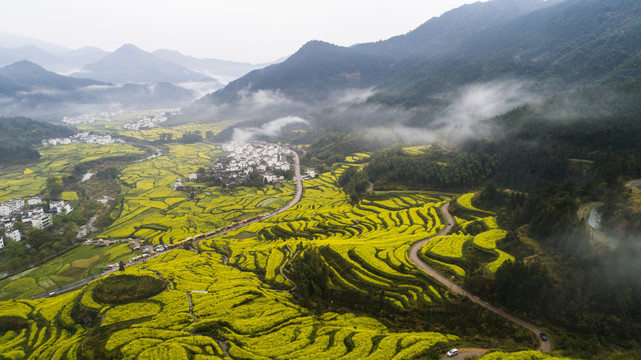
(130,64)
(28,74)
(556,44)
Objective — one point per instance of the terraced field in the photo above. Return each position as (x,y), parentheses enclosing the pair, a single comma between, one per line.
(55,161)
(256,322)
(232,296)
(176,132)
(152,210)
(364,245)
(449,253)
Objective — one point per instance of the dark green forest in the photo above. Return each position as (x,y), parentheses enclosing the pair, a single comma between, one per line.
(574,135)
(18,135)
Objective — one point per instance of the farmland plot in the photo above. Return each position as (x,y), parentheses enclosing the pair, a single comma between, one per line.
(154,211)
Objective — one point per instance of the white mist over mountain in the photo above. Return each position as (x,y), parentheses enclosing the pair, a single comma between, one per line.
(463,118)
(271,128)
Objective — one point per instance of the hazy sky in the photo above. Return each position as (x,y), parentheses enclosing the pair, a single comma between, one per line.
(241,30)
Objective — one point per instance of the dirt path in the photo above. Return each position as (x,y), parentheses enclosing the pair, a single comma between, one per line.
(544,346)
(191,306)
(285,262)
(224,346)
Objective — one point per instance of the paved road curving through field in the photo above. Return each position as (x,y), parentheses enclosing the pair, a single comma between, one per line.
(544,346)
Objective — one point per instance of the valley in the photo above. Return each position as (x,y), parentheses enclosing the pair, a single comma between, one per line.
(466,189)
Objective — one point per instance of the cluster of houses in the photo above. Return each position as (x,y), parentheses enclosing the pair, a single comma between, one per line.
(90,118)
(83,137)
(149,121)
(31,213)
(245,158)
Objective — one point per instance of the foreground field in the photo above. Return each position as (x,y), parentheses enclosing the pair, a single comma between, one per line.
(233,295)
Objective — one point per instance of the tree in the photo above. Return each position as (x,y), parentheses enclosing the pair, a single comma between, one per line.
(15,253)
(53,188)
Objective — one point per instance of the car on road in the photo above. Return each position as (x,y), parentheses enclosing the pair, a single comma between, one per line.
(543,336)
(452,352)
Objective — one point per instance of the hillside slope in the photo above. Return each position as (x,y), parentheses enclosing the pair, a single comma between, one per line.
(558,45)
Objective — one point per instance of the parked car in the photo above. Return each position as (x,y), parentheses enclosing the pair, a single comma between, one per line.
(544,337)
(452,352)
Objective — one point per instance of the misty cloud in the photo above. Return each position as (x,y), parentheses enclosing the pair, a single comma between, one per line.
(271,128)
(401,134)
(263,98)
(478,102)
(350,96)
(463,117)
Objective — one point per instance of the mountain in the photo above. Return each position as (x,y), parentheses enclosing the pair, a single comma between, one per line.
(31,76)
(30,90)
(11,41)
(63,62)
(130,64)
(556,44)
(316,69)
(221,70)
(27,52)
(573,43)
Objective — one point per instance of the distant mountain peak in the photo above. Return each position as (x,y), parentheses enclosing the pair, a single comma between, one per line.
(129,48)
(26,65)
(28,74)
(131,64)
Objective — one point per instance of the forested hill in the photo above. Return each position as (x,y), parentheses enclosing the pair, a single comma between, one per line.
(578,135)
(559,44)
(18,135)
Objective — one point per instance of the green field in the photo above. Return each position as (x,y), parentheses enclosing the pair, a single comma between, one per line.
(74,265)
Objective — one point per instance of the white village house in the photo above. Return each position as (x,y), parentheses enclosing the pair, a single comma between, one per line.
(5,210)
(13,235)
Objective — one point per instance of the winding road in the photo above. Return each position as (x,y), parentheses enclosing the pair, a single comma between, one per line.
(544,346)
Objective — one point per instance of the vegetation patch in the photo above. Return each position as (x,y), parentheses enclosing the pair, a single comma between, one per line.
(120,289)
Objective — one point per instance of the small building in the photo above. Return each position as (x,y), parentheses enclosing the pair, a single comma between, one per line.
(59,207)
(36,211)
(41,221)
(5,210)
(1,242)
(269,178)
(193,176)
(13,234)
(311,173)
(34,201)
(178,186)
